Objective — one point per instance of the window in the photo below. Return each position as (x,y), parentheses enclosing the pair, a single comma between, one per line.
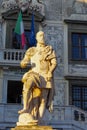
(10,18)
(77,43)
(14,92)
(78,93)
(16,40)
(13,41)
(79,46)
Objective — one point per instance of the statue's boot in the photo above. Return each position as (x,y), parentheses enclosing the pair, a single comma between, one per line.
(27,97)
(25,103)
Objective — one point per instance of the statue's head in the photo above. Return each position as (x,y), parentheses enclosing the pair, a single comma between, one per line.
(40,37)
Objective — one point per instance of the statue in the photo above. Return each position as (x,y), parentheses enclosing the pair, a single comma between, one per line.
(38,90)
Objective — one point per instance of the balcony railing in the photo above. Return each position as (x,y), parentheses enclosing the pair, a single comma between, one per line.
(11,56)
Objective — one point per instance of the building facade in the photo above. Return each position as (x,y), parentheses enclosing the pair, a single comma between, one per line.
(65,25)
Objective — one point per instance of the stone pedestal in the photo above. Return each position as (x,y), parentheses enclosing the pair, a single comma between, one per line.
(32,128)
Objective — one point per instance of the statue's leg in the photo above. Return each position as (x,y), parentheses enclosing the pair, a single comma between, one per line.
(27,95)
(35,103)
(43,102)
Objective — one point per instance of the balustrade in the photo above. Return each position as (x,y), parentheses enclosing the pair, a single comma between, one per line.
(60,115)
(78,114)
(69,113)
(11,56)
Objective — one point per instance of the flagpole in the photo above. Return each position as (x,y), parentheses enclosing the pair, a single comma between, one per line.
(32,38)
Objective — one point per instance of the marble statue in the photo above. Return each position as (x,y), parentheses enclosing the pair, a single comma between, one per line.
(38,88)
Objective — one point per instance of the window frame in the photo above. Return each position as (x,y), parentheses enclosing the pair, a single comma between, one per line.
(10,25)
(10,17)
(80,46)
(75,28)
(79,82)
(14,92)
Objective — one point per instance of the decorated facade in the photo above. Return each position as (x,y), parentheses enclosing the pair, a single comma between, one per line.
(64,23)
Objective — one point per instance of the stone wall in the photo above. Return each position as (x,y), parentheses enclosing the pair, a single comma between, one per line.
(59,9)
(57,35)
(54,33)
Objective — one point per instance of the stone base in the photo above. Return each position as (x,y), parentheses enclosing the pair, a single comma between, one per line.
(32,128)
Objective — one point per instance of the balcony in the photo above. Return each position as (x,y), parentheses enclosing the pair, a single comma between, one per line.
(11,57)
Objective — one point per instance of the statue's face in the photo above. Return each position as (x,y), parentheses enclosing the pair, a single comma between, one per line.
(40,38)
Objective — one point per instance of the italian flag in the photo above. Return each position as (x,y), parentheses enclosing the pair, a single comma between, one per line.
(19,29)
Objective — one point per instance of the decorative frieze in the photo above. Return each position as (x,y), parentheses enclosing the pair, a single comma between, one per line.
(54,36)
(78,69)
(53,10)
(24,5)
(79,6)
(59,98)
(74,7)
(59,72)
